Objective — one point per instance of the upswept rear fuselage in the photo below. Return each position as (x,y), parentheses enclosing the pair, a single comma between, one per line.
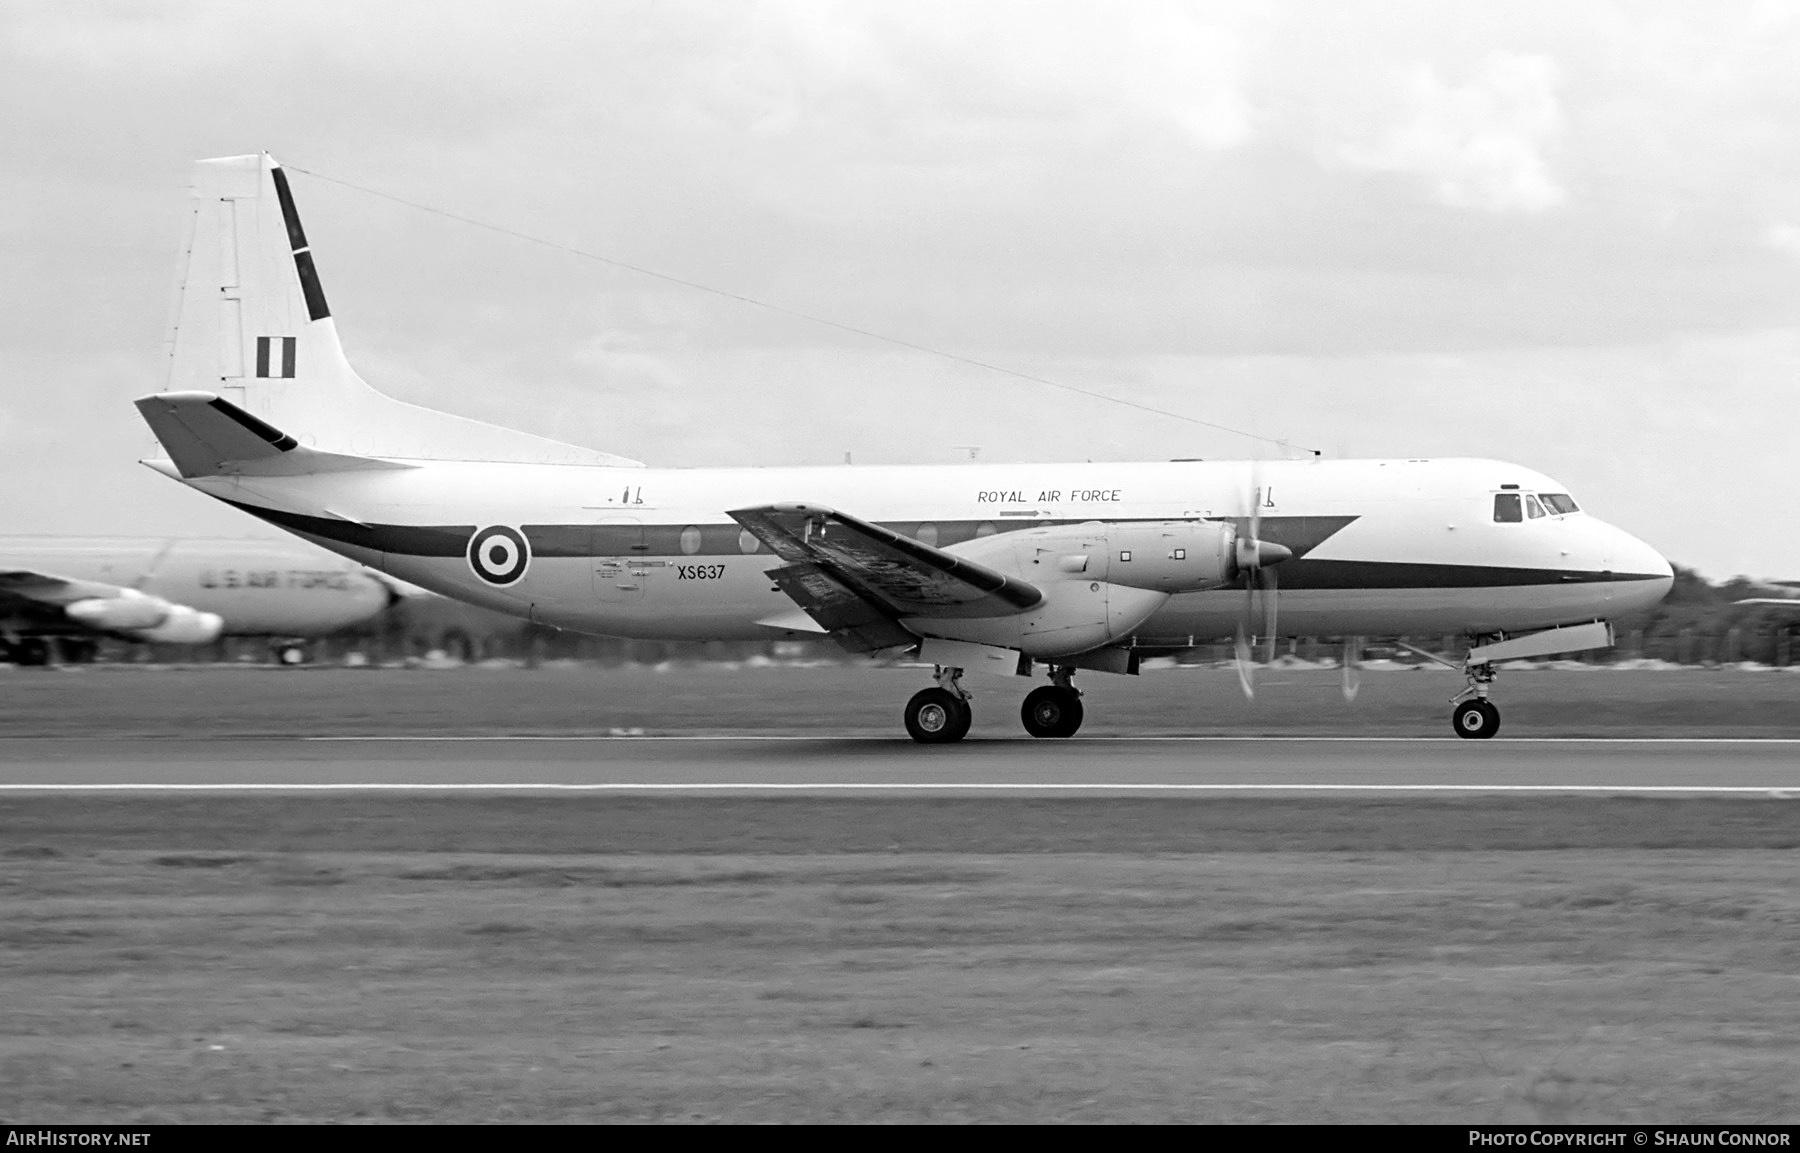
(1378,547)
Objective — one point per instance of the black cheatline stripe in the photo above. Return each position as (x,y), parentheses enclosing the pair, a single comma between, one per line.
(268,432)
(561,541)
(449,540)
(296,234)
(1361,574)
(309,285)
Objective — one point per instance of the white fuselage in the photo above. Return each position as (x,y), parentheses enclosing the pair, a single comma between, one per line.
(1380,547)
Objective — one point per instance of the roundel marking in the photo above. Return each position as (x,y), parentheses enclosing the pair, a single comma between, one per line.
(499,555)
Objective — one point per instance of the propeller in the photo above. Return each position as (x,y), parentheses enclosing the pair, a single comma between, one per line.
(1352,672)
(1256,559)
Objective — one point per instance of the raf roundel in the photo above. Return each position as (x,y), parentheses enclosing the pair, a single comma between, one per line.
(499,555)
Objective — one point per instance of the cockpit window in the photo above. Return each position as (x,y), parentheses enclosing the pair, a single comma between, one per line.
(1507,509)
(1561,503)
(1533,509)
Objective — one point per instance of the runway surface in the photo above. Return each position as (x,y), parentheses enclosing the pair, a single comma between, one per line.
(775,764)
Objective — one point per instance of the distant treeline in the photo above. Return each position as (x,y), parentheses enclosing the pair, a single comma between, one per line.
(1698,623)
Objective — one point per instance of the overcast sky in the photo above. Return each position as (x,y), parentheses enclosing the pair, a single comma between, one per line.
(1566,234)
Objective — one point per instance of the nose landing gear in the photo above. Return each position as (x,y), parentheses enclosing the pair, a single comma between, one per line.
(941,715)
(1473,716)
(1053,710)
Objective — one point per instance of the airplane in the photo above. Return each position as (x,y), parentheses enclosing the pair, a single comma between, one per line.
(970,568)
(1783,595)
(71,591)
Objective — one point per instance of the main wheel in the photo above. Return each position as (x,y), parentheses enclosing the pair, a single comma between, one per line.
(1051,711)
(937,717)
(1475,720)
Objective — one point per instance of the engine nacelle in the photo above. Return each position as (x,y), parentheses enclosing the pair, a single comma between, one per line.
(1101,580)
(128,612)
(1171,556)
(186,626)
(146,618)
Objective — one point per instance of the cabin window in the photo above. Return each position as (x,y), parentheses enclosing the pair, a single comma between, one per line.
(1125,554)
(1533,509)
(748,543)
(1178,554)
(928,533)
(1560,503)
(1507,509)
(690,540)
(985,528)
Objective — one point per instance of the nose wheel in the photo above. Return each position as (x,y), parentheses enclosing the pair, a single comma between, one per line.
(1475,720)
(1472,715)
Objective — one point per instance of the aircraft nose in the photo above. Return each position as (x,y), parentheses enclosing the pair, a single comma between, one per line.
(1630,559)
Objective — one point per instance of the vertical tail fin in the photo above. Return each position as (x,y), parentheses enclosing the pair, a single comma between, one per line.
(253,326)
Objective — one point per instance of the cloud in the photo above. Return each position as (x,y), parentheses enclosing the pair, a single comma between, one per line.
(1784,238)
(1479,144)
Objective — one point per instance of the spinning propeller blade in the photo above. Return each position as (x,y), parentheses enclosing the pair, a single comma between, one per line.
(1255,560)
(1352,674)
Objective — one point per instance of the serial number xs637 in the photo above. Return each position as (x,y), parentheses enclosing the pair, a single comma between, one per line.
(699,572)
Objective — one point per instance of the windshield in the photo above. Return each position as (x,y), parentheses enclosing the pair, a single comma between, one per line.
(1560,503)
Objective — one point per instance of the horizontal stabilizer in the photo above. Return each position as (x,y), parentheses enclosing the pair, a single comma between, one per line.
(206,435)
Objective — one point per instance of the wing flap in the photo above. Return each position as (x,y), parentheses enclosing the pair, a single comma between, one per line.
(857,623)
(859,580)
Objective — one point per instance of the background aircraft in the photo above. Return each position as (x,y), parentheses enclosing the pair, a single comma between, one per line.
(71,591)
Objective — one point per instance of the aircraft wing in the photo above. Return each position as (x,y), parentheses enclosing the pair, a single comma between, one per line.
(858,580)
(22,588)
(47,599)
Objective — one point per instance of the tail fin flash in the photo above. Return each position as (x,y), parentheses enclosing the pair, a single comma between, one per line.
(253,327)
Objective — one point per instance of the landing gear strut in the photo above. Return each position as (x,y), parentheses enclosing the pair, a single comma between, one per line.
(1473,716)
(1053,710)
(941,715)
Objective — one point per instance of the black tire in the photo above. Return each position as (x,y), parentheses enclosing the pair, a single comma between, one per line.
(1051,711)
(77,650)
(31,652)
(1475,720)
(937,717)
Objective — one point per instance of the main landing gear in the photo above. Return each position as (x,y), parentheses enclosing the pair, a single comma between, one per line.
(941,715)
(1053,710)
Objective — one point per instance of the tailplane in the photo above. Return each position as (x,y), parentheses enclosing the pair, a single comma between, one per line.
(254,328)
(206,435)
